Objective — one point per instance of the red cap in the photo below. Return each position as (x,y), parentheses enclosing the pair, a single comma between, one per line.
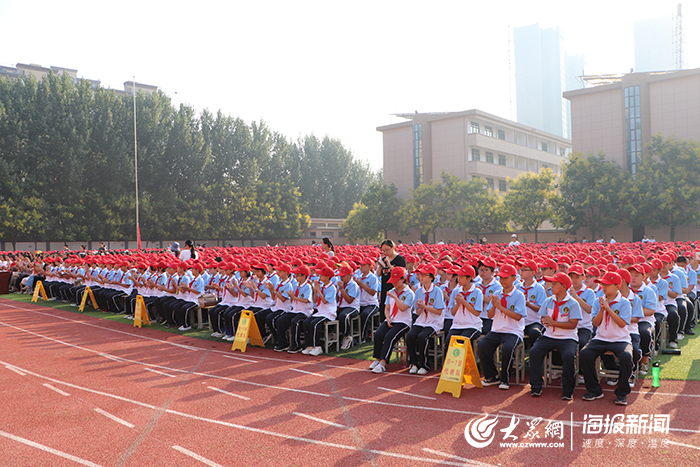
(345,270)
(593,271)
(636,267)
(284,267)
(656,264)
(445,265)
(427,269)
(326,271)
(304,270)
(612,268)
(366,260)
(396,274)
(244,267)
(530,264)
(488,262)
(548,263)
(560,277)
(647,267)
(507,270)
(610,278)
(625,275)
(465,270)
(576,269)
(627,259)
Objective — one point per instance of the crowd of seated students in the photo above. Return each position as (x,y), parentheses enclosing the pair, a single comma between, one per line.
(587,300)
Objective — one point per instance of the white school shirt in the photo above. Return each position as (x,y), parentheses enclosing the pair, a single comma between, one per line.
(493,288)
(637,312)
(505,324)
(284,288)
(330,309)
(649,299)
(587,295)
(431,297)
(408,298)
(608,330)
(536,295)
(304,291)
(463,318)
(353,290)
(661,287)
(373,282)
(568,310)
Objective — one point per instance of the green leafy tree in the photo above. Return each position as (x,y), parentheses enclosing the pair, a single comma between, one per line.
(591,191)
(531,200)
(665,189)
(425,210)
(475,207)
(358,226)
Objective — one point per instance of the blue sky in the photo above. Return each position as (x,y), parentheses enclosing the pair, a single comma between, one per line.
(330,68)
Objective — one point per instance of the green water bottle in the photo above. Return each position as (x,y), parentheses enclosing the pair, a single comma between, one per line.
(655,370)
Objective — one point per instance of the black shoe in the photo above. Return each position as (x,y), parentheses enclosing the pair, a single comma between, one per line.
(689,332)
(567,397)
(536,392)
(589,396)
(294,350)
(491,381)
(281,348)
(621,400)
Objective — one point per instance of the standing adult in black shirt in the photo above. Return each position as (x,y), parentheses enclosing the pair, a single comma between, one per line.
(388,260)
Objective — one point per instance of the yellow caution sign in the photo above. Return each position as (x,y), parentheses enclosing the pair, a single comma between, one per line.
(141,312)
(39,287)
(247,329)
(459,368)
(87,292)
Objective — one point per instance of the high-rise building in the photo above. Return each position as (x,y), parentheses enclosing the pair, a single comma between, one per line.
(653,45)
(543,71)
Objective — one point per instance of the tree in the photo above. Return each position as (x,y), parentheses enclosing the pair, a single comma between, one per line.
(591,189)
(531,199)
(425,210)
(375,214)
(665,189)
(476,207)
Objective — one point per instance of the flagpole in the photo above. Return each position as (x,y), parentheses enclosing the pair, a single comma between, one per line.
(136,170)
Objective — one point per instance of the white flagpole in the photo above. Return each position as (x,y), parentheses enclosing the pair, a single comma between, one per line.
(136,170)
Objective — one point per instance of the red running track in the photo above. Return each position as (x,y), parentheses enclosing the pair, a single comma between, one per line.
(77,390)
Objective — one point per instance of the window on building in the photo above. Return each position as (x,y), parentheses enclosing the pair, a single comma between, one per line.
(328,234)
(489,182)
(502,135)
(312,234)
(544,146)
(474,128)
(417,155)
(501,185)
(489,157)
(501,159)
(633,128)
(488,131)
(562,152)
(476,154)
(544,166)
(522,163)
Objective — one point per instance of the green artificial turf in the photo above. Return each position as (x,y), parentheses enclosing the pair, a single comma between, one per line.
(684,367)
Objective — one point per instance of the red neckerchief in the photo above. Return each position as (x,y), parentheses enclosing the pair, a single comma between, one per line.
(395,309)
(555,313)
(607,316)
(320,294)
(465,295)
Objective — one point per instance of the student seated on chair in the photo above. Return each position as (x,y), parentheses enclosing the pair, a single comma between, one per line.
(429,304)
(399,301)
(560,314)
(507,310)
(468,303)
(611,315)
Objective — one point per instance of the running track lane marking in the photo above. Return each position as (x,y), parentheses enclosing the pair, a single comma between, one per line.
(239,358)
(684,445)
(11,368)
(306,372)
(159,372)
(228,393)
(243,427)
(407,393)
(282,388)
(320,420)
(452,456)
(196,456)
(63,393)
(48,449)
(116,419)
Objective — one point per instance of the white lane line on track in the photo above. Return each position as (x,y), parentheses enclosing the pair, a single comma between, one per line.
(452,456)
(282,388)
(159,372)
(243,427)
(320,420)
(407,393)
(63,393)
(48,449)
(196,456)
(228,393)
(13,369)
(239,358)
(221,352)
(684,445)
(306,372)
(116,419)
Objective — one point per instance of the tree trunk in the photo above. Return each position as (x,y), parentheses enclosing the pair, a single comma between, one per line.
(536,236)
(673,232)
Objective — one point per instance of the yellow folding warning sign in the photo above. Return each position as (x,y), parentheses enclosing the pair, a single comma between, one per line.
(87,292)
(247,329)
(459,367)
(141,312)
(39,287)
